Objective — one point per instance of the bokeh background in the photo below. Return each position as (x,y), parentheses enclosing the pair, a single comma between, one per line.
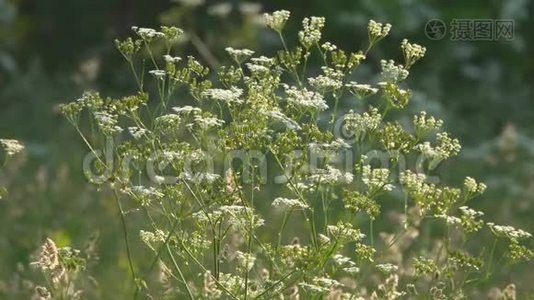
(51,51)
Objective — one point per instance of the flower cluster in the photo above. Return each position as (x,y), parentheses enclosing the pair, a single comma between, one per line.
(11,147)
(377,31)
(355,201)
(376,179)
(361,124)
(469,216)
(330,176)
(392,73)
(286,203)
(508,231)
(471,186)
(305,99)
(205,194)
(361,90)
(277,20)
(412,53)
(425,125)
(312,30)
(229,96)
(239,55)
(331,80)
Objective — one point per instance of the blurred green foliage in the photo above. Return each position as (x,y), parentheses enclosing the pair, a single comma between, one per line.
(50,51)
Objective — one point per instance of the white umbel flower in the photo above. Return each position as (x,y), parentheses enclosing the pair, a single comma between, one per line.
(185,110)
(11,147)
(305,99)
(470,212)
(277,20)
(239,55)
(387,268)
(172,59)
(361,90)
(377,30)
(289,203)
(393,73)
(376,179)
(137,132)
(245,260)
(279,116)
(159,74)
(147,33)
(312,31)
(509,231)
(412,52)
(450,220)
(228,96)
(107,122)
(424,124)
(331,175)
(473,187)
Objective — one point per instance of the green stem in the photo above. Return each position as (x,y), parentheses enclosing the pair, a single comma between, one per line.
(180,273)
(125,235)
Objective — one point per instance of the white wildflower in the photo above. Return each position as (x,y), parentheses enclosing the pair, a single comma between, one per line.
(344,231)
(279,116)
(239,55)
(245,260)
(346,264)
(229,96)
(450,220)
(147,33)
(328,47)
(387,268)
(323,82)
(168,122)
(360,124)
(377,30)
(376,179)
(393,73)
(159,74)
(185,110)
(470,212)
(151,238)
(331,175)
(325,148)
(473,187)
(277,20)
(425,125)
(289,203)
(11,147)
(263,61)
(361,90)
(311,33)
(207,122)
(200,177)
(305,99)
(107,122)
(447,146)
(508,231)
(172,59)
(145,195)
(412,52)
(137,132)
(257,68)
